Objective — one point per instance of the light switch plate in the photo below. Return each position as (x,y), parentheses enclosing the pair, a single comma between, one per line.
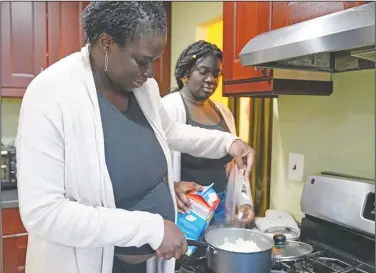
(295,167)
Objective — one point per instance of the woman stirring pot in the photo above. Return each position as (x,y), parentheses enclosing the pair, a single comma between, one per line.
(93,145)
(197,74)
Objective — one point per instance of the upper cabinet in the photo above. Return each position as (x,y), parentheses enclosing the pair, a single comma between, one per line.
(243,21)
(23,51)
(65,35)
(161,66)
(36,35)
(289,13)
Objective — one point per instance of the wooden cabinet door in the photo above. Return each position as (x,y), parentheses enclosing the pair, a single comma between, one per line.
(14,253)
(65,35)
(161,66)
(242,21)
(11,222)
(288,13)
(349,5)
(14,238)
(23,35)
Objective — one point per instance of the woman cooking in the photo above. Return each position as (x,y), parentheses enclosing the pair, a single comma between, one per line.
(94,167)
(197,73)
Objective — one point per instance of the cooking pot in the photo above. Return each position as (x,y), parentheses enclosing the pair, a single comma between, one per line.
(224,261)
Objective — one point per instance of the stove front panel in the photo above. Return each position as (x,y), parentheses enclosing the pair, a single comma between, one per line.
(346,202)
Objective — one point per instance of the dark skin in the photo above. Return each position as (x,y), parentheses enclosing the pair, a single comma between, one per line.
(203,80)
(129,67)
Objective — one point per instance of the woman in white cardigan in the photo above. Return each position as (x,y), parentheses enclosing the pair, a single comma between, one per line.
(73,151)
(197,73)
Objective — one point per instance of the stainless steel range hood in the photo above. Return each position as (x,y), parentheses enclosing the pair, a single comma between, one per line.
(337,42)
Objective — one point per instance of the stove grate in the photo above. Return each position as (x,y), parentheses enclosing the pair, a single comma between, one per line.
(318,262)
(321,262)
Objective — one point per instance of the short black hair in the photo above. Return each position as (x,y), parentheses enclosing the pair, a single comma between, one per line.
(122,19)
(190,55)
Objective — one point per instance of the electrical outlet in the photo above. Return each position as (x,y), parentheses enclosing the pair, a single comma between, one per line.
(296,167)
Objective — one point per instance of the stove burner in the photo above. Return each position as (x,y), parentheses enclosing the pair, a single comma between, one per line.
(317,262)
(322,262)
(185,270)
(294,267)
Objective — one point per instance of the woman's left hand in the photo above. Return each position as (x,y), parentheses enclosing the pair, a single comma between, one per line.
(244,156)
(248,214)
(181,190)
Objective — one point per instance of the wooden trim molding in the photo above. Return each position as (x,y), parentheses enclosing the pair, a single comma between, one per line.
(12,92)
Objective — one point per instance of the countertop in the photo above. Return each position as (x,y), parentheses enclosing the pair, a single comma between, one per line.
(9,199)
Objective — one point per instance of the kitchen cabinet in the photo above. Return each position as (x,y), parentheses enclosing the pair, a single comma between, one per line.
(349,5)
(36,35)
(14,240)
(289,13)
(14,255)
(243,21)
(161,66)
(23,51)
(65,35)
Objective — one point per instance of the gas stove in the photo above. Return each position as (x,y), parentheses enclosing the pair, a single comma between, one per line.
(322,262)
(339,224)
(318,262)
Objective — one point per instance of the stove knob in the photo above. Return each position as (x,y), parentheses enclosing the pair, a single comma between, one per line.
(279,239)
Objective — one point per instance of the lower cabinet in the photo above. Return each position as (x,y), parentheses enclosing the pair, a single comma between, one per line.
(14,253)
(14,241)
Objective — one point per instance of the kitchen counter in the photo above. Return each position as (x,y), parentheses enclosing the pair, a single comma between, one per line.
(9,199)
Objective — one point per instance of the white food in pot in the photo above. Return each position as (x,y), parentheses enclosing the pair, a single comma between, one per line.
(243,246)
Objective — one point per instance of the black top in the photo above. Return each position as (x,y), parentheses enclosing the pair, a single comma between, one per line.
(205,171)
(136,164)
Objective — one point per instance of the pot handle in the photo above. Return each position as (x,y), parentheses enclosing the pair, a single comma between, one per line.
(197,243)
(201,245)
(184,259)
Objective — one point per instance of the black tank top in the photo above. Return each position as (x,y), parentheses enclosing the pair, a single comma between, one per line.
(205,171)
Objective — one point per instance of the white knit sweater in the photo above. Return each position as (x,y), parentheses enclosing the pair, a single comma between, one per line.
(66,198)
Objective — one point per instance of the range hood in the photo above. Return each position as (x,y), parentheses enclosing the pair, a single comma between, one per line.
(338,42)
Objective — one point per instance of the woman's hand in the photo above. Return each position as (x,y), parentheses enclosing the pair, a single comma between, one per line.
(248,214)
(181,190)
(244,156)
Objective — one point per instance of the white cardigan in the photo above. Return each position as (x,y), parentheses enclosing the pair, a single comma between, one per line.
(66,198)
(174,105)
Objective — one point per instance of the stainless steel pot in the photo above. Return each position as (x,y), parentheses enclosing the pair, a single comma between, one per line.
(223,261)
